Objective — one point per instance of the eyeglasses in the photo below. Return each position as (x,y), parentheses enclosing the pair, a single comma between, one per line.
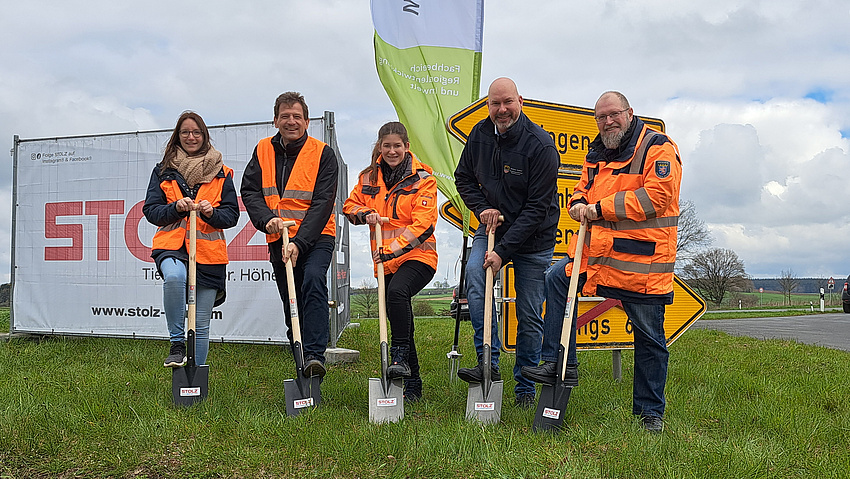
(613,116)
(195,133)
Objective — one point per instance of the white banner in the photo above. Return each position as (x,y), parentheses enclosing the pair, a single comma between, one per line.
(81,245)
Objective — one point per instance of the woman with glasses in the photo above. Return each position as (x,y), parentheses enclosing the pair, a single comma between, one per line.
(191,176)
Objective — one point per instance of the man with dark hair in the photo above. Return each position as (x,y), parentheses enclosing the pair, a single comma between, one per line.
(629,195)
(509,168)
(293,176)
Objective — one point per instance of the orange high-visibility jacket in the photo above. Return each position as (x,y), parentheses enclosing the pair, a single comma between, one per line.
(410,205)
(211,244)
(293,203)
(633,246)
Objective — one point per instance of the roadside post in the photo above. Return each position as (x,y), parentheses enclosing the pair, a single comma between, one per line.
(830,284)
(821,300)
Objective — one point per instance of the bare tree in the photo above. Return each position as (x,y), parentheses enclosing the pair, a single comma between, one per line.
(715,272)
(788,283)
(365,297)
(693,235)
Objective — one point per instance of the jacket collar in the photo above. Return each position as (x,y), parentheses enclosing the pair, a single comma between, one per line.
(598,152)
(292,149)
(512,135)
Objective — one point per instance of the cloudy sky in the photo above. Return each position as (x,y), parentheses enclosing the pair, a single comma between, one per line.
(755,92)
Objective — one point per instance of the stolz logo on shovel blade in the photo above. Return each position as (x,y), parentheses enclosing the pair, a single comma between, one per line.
(302,403)
(190,392)
(550,413)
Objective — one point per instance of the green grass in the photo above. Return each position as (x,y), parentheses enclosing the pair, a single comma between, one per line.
(737,407)
(4,319)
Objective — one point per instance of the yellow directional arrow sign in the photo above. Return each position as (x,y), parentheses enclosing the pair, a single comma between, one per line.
(572,129)
(611,329)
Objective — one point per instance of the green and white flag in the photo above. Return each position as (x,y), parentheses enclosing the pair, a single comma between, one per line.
(428,56)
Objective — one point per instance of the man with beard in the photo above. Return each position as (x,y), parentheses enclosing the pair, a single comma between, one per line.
(509,167)
(629,196)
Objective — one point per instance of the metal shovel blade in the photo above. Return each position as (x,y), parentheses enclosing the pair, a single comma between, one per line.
(454,364)
(189,384)
(551,407)
(301,394)
(386,405)
(486,409)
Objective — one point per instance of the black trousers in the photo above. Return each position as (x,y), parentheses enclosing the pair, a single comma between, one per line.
(311,291)
(406,282)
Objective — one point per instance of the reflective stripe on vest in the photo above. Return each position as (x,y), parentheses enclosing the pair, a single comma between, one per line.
(430,244)
(293,203)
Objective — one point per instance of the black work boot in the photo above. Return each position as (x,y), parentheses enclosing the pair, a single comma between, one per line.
(313,367)
(412,389)
(398,368)
(176,356)
(547,372)
(476,374)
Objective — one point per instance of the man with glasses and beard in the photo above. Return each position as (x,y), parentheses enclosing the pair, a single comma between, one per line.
(629,195)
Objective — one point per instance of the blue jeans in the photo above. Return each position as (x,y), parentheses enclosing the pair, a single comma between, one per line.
(311,291)
(651,357)
(529,272)
(557,289)
(174,274)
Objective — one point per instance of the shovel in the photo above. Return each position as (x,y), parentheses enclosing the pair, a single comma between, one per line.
(454,355)
(554,398)
(386,397)
(190,383)
(302,392)
(484,399)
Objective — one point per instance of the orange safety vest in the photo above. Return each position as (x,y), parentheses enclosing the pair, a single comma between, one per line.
(293,203)
(410,205)
(633,246)
(211,244)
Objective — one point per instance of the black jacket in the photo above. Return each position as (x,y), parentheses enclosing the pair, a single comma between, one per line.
(322,204)
(517,174)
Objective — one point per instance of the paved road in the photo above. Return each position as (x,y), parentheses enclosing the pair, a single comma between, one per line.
(830,329)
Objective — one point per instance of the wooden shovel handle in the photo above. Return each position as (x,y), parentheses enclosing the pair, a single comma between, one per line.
(488,291)
(566,328)
(290,285)
(191,297)
(382,300)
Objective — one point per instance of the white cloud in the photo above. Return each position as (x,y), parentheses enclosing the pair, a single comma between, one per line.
(764,164)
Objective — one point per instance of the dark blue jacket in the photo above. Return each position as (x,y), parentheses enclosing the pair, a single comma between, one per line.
(517,174)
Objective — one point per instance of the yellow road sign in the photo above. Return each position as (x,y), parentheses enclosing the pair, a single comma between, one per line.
(572,128)
(611,329)
(567,227)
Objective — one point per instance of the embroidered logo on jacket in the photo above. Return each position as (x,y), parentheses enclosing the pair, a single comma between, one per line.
(662,169)
(512,171)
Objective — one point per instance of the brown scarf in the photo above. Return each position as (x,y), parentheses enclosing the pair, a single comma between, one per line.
(197,169)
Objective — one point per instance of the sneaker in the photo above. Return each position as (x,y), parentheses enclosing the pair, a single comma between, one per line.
(177,356)
(313,368)
(398,368)
(412,389)
(546,373)
(524,401)
(653,424)
(476,374)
